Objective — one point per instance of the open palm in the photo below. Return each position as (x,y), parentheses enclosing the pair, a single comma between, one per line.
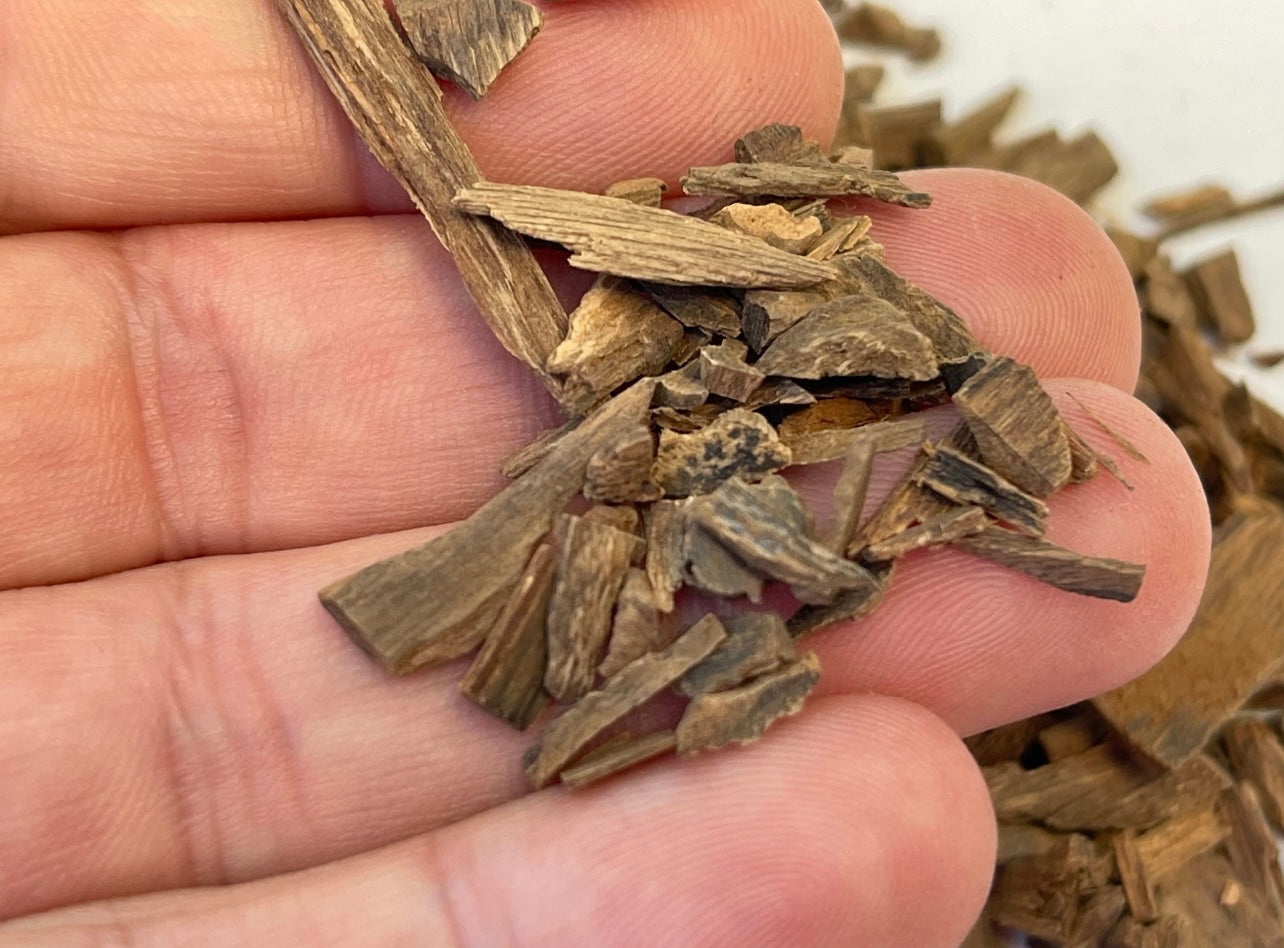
(207,417)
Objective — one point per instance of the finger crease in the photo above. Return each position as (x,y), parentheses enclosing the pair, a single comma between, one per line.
(437,880)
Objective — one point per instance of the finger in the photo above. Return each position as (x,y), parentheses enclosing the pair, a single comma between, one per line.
(124,114)
(646,860)
(179,392)
(234,732)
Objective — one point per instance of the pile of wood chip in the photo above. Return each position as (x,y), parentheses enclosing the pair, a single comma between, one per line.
(1147,816)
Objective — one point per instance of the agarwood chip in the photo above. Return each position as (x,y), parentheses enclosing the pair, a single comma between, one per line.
(847,607)
(609,235)
(744,522)
(768,313)
(1041,895)
(437,601)
(607,761)
(832,444)
(681,388)
(636,628)
(724,372)
(719,313)
(1254,750)
(633,686)
(1097,576)
(1097,917)
(853,335)
(878,25)
(777,143)
(1171,931)
(771,223)
(1016,426)
(936,532)
(621,473)
(850,491)
(775,179)
(1217,284)
(958,478)
(1078,168)
(1083,458)
(779,392)
(1129,448)
(1252,848)
(693,340)
(1160,713)
(593,559)
(961,141)
(665,527)
(863,81)
(523,460)
(1073,736)
(710,567)
(844,235)
(737,443)
(617,334)
(1196,205)
(742,715)
(1136,251)
(1137,882)
(756,643)
(1165,295)
(468,42)
(645,191)
(900,134)
(1170,845)
(507,676)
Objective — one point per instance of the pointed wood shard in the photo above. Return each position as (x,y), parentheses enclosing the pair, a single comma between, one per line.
(711,568)
(507,677)
(1016,426)
(756,643)
(437,601)
(955,525)
(724,372)
(645,191)
(611,760)
(742,715)
(621,473)
(633,686)
(790,180)
(777,143)
(957,477)
(636,629)
(737,443)
(609,235)
(468,42)
(853,335)
(593,560)
(665,526)
(1096,576)
(768,313)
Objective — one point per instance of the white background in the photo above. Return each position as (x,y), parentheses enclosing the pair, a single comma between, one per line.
(1181,91)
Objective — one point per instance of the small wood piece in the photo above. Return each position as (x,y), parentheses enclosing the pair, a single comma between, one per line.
(648,192)
(693,340)
(1166,295)
(779,392)
(774,179)
(880,26)
(1254,750)
(1129,448)
(958,478)
(777,143)
(711,568)
(608,235)
(863,81)
(843,236)
(899,134)
(593,560)
(756,643)
(681,388)
(907,504)
(724,372)
(1019,840)
(719,313)
(768,313)
(737,443)
(1172,844)
(1097,917)
(771,223)
(468,42)
(1096,576)
(665,525)
(617,334)
(853,335)
(1078,168)
(1172,710)
(1136,251)
(848,607)
(952,526)
(633,686)
(1137,883)
(1170,931)
(1016,426)
(507,677)
(1073,736)
(833,444)
(636,627)
(744,522)
(523,460)
(850,491)
(961,141)
(1041,895)
(621,473)
(608,761)
(1218,285)
(1196,205)
(741,715)
(1252,848)
(437,601)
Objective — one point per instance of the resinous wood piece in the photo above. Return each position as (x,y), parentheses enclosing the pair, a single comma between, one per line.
(742,715)
(776,179)
(1097,576)
(737,443)
(468,41)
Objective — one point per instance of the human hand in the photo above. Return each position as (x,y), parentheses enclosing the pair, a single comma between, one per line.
(254,402)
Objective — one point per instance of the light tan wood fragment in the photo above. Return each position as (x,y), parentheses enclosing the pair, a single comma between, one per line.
(741,715)
(832,444)
(899,134)
(1195,205)
(621,472)
(1137,883)
(468,42)
(645,191)
(788,180)
(771,223)
(1172,844)
(1254,750)
(966,138)
(1075,735)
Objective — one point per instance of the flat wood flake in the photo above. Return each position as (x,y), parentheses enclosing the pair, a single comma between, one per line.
(468,41)
(741,715)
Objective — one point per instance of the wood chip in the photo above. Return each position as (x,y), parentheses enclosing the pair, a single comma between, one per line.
(724,372)
(843,236)
(863,81)
(665,525)
(1073,736)
(848,607)
(1254,750)
(633,686)
(768,313)
(468,42)
(1202,203)
(742,715)
(621,473)
(1172,844)
(593,559)
(954,525)
(1252,848)
(507,676)
(711,568)
(609,761)
(1166,295)
(771,223)
(881,26)
(1097,576)
(958,478)
(1129,448)
(437,601)
(1218,285)
(636,628)
(608,235)
(682,388)
(1019,840)
(1016,426)
(1136,251)
(756,643)
(833,444)
(900,135)
(742,521)
(1161,714)
(777,143)
(779,392)
(1041,895)
(850,491)
(693,340)
(645,191)
(774,179)
(525,459)
(617,334)
(1097,917)
(853,335)
(961,141)
(738,443)
(1137,883)
(719,313)
(908,503)
(1170,931)
(1078,168)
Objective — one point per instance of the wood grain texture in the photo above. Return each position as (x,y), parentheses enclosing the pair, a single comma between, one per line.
(1097,576)
(742,715)
(608,761)
(774,179)
(958,478)
(756,643)
(396,107)
(636,628)
(724,371)
(951,526)
(468,42)
(738,443)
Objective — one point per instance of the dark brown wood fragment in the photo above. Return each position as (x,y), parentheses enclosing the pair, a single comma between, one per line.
(852,335)
(593,559)
(711,568)
(717,312)
(1097,917)
(1252,849)
(772,224)
(636,628)
(955,525)
(633,686)
(468,42)
(724,372)
(1171,931)
(1136,251)
(741,715)
(1161,714)
(609,235)
(1254,750)
(507,676)
(777,143)
(850,491)
(1075,735)
(768,313)
(962,480)
(775,179)
(1041,895)
(1138,885)
(621,473)
(1218,285)
(899,134)
(1078,168)
(847,607)
(1264,202)
(756,643)
(608,761)
(961,141)
(665,525)
(737,443)
(745,523)
(1165,295)
(1016,426)
(880,26)
(437,601)
(1097,576)
(397,108)
(908,503)
(646,191)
